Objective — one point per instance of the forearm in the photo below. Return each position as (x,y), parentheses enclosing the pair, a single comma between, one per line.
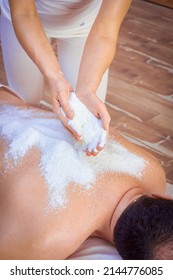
(100,46)
(98,55)
(34,41)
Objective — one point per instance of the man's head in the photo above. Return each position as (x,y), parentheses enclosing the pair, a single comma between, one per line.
(144,230)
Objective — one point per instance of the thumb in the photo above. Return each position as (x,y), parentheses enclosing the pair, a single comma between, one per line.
(66,108)
(105,118)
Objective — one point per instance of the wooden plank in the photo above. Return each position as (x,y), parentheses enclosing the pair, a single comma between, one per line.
(161,122)
(167,3)
(139,131)
(138,97)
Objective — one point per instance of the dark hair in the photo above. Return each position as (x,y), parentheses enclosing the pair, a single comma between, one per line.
(144,230)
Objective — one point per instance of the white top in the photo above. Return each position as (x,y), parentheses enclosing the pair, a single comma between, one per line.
(63,18)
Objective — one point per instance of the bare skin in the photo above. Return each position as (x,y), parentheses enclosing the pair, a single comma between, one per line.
(28,231)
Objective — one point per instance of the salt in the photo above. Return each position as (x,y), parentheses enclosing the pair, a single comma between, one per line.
(86,125)
(61,160)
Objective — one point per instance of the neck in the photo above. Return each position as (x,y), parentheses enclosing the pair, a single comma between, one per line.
(128,197)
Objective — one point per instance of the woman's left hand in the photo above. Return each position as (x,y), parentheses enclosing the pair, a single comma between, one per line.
(98,108)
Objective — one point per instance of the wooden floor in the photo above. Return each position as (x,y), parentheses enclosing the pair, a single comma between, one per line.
(166,3)
(140,91)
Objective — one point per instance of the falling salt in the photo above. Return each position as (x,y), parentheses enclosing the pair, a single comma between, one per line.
(61,160)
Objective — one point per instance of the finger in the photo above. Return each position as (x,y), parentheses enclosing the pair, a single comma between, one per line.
(99,148)
(69,128)
(76,137)
(105,117)
(73,133)
(106,122)
(56,105)
(69,131)
(94,152)
(88,153)
(64,102)
(103,139)
(61,116)
(75,128)
(93,144)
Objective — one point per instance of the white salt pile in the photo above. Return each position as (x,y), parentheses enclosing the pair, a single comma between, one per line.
(61,161)
(86,125)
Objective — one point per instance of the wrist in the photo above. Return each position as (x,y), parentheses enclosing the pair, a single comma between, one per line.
(84,91)
(53,76)
(87,85)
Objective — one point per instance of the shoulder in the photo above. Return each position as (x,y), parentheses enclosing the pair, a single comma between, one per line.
(153,177)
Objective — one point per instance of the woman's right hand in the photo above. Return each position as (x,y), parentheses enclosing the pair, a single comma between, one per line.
(33,39)
(60,91)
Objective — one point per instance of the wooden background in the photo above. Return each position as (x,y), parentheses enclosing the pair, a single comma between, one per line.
(140,91)
(166,3)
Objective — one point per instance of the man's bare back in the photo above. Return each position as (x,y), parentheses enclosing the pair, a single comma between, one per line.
(30,230)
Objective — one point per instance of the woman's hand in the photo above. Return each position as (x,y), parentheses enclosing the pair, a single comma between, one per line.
(98,108)
(60,91)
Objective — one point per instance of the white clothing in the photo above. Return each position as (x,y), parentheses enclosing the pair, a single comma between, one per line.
(22,74)
(63,18)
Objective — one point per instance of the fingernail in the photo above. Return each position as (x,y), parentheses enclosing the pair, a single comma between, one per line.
(79,139)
